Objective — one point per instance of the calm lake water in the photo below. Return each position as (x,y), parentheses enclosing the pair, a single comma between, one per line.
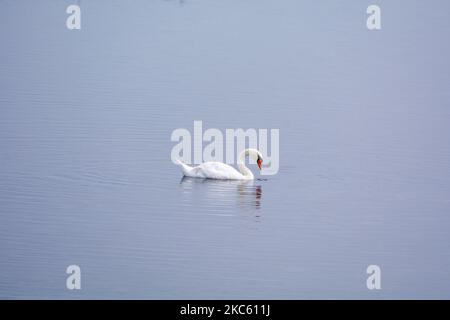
(86,177)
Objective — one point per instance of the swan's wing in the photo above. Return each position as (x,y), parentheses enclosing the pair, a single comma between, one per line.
(218,170)
(195,172)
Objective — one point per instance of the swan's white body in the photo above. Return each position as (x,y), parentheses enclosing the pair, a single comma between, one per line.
(222,171)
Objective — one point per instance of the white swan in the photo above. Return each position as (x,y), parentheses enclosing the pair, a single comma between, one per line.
(219,170)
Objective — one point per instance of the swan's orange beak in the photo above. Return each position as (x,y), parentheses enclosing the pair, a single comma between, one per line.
(259,163)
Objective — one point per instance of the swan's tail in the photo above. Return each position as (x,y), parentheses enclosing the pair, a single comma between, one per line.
(184,167)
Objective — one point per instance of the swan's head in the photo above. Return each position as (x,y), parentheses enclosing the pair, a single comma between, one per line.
(254,155)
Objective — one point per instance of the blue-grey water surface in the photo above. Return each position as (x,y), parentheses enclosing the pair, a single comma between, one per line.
(86,177)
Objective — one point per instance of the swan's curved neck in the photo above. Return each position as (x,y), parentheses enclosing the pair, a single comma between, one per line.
(246,172)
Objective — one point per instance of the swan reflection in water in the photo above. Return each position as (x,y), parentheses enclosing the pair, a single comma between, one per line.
(223,196)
